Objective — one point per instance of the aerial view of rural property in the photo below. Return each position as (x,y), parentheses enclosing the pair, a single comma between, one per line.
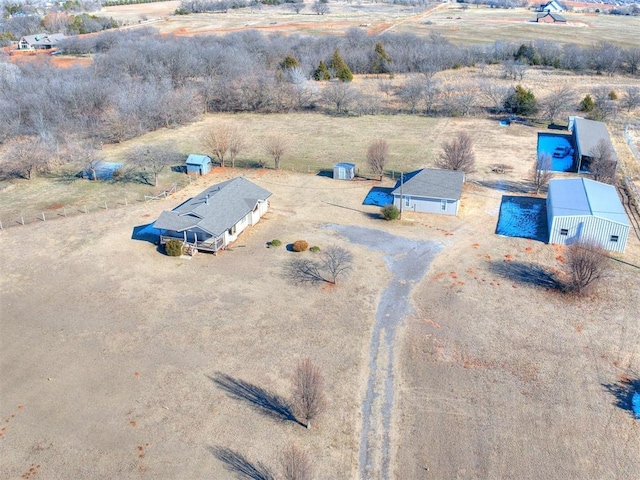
(319,240)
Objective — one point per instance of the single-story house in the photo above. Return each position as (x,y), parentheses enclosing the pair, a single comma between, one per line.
(344,171)
(40,41)
(215,218)
(586,135)
(198,164)
(553,6)
(430,190)
(549,17)
(579,208)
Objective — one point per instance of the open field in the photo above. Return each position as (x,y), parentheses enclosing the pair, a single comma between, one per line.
(112,353)
(474,25)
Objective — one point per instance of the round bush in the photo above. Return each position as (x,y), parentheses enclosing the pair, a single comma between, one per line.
(314,249)
(390,212)
(300,245)
(275,243)
(173,248)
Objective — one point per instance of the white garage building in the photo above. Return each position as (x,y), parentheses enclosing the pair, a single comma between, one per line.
(578,208)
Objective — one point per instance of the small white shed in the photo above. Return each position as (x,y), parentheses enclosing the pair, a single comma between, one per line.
(344,171)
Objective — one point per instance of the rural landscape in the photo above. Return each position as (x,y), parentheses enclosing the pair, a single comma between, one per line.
(320,240)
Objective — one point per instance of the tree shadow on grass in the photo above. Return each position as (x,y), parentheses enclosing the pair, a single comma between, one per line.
(623,392)
(527,274)
(240,465)
(506,186)
(264,401)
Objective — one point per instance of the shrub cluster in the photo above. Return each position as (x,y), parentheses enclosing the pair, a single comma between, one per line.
(314,249)
(275,243)
(173,248)
(300,245)
(390,212)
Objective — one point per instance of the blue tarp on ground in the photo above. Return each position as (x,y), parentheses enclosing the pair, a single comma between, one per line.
(549,144)
(523,217)
(104,171)
(379,196)
(146,233)
(635,404)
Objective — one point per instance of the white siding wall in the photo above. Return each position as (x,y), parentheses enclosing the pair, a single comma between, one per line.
(426,205)
(588,228)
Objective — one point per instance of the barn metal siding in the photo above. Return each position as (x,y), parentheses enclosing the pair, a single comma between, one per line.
(587,227)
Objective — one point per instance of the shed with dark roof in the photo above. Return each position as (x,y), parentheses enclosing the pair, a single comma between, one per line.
(429,190)
(587,135)
(215,218)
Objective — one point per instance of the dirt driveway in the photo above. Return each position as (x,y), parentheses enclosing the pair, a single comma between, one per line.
(114,356)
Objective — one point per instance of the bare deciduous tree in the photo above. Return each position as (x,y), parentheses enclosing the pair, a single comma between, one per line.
(296,7)
(308,391)
(495,94)
(276,146)
(411,92)
(458,154)
(541,172)
(340,94)
(320,7)
(334,262)
(603,162)
(631,98)
(296,464)
(25,156)
(377,156)
(221,139)
(558,102)
(153,159)
(587,264)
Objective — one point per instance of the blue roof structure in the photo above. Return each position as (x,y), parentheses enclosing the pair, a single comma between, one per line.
(580,196)
(344,165)
(195,159)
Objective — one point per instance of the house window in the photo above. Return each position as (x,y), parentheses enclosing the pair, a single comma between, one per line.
(407,201)
(443,205)
(232,230)
(564,232)
(614,238)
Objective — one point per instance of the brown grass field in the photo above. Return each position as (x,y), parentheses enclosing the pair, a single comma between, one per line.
(112,353)
(474,25)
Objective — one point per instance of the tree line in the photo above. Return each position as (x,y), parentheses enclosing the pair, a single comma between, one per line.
(140,81)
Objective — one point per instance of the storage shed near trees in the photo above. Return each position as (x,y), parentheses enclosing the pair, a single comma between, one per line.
(583,209)
(198,164)
(344,171)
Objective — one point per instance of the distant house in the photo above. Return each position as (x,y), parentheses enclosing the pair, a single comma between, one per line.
(553,6)
(549,17)
(40,41)
(579,208)
(344,171)
(198,164)
(215,218)
(586,135)
(430,190)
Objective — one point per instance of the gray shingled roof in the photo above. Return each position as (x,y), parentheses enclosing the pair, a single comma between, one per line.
(44,38)
(589,133)
(433,183)
(216,209)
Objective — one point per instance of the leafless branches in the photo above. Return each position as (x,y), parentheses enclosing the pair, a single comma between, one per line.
(276,146)
(223,139)
(335,262)
(377,155)
(587,264)
(25,156)
(541,172)
(458,154)
(153,159)
(558,102)
(296,464)
(603,162)
(308,391)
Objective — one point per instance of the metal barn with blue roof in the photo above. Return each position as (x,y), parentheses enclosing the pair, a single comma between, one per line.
(579,208)
(199,164)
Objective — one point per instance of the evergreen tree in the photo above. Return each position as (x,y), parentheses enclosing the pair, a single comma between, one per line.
(289,62)
(521,102)
(587,104)
(322,72)
(381,60)
(340,68)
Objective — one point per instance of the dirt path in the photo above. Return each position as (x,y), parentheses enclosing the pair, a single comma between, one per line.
(408,261)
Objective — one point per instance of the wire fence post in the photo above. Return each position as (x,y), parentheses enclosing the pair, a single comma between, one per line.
(85,209)
(43,217)
(0,225)
(105,206)
(22,219)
